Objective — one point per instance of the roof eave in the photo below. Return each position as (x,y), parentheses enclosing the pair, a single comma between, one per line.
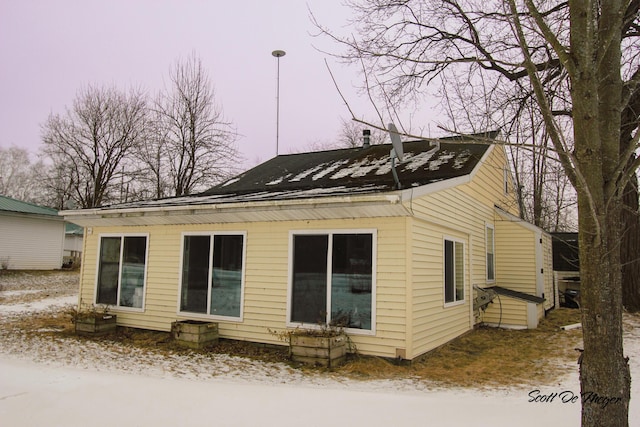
(355,206)
(31,215)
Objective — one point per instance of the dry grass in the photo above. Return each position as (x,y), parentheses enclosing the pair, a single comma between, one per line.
(489,357)
(485,357)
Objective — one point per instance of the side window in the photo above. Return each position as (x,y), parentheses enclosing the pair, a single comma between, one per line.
(121,271)
(212,274)
(490,255)
(453,271)
(506,173)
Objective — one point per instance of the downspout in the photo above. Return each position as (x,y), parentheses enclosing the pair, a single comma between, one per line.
(470,285)
(409,347)
(82,263)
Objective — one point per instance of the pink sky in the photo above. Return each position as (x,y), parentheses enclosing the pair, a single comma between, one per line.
(49,49)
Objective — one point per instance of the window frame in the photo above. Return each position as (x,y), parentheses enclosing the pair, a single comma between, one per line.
(122,236)
(211,235)
(455,302)
(493,251)
(330,233)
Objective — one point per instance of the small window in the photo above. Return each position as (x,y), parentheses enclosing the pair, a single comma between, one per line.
(505,179)
(453,271)
(332,279)
(121,271)
(491,262)
(212,274)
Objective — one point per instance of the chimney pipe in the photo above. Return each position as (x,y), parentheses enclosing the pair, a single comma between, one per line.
(366,136)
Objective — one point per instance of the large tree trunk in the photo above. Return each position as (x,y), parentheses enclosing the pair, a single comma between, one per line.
(605,380)
(630,248)
(604,372)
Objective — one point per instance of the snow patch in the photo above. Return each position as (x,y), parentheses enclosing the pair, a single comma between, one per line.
(419,160)
(231,181)
(36,306)
(304,174)
(329,170)
(461,159)
(435,164)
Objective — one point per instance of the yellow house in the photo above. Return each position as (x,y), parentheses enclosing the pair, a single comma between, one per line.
(330,237)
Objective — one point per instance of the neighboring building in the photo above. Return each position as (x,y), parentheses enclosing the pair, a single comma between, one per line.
(323,237)
(566,268)
(73,236)
(31,236)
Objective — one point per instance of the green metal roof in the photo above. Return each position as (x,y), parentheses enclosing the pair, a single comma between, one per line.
(71,228)
(8,204)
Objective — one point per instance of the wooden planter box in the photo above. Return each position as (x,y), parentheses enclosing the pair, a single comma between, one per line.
(96,325)
(328,351)
(195,333)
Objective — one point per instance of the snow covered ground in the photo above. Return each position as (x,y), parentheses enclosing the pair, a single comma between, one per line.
(51,381)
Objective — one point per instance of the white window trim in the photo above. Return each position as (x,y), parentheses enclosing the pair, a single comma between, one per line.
(374,285)
(462,301)
(486,269)
(204,316)
(117,307)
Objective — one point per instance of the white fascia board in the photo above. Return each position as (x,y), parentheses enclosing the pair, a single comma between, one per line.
(512,218)
(416,192)
(30,215)
(275,210)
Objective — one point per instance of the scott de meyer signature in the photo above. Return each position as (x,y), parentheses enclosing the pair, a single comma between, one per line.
(568,396)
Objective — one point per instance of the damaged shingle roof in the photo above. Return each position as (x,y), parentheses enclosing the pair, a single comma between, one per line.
(342,172)
(357,169)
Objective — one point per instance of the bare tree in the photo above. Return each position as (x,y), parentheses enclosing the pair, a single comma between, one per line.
(20,177)
(351,134)
(92,140)
(578,62)
(57,185)
(196,143)
(153,177)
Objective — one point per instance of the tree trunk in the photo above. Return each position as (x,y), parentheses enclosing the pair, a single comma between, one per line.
(605,380)
(604,372)
(630,248)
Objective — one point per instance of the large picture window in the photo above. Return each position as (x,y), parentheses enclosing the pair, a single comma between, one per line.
(333,279)
(121,271)
(212,274)
(453,271)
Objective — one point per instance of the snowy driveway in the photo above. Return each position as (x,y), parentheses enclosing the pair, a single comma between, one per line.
(41,395)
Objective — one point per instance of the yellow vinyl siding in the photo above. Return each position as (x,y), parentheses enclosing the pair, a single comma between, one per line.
(505,311)
(487,186)
(266,279)
(515,256)
(433,323)
(461,212)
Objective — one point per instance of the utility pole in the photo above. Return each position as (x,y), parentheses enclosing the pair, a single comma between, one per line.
(278,54)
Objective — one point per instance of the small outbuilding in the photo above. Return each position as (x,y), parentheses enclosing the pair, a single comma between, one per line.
(566,268)
(31,236)
(330,237)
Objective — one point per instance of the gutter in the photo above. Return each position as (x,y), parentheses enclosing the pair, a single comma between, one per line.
(355,203)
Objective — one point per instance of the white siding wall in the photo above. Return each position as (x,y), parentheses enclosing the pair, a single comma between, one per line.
(31,242)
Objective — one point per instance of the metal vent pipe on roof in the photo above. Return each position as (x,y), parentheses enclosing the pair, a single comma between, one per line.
(366,137)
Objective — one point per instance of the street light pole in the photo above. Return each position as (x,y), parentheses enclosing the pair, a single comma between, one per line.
(278,54)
